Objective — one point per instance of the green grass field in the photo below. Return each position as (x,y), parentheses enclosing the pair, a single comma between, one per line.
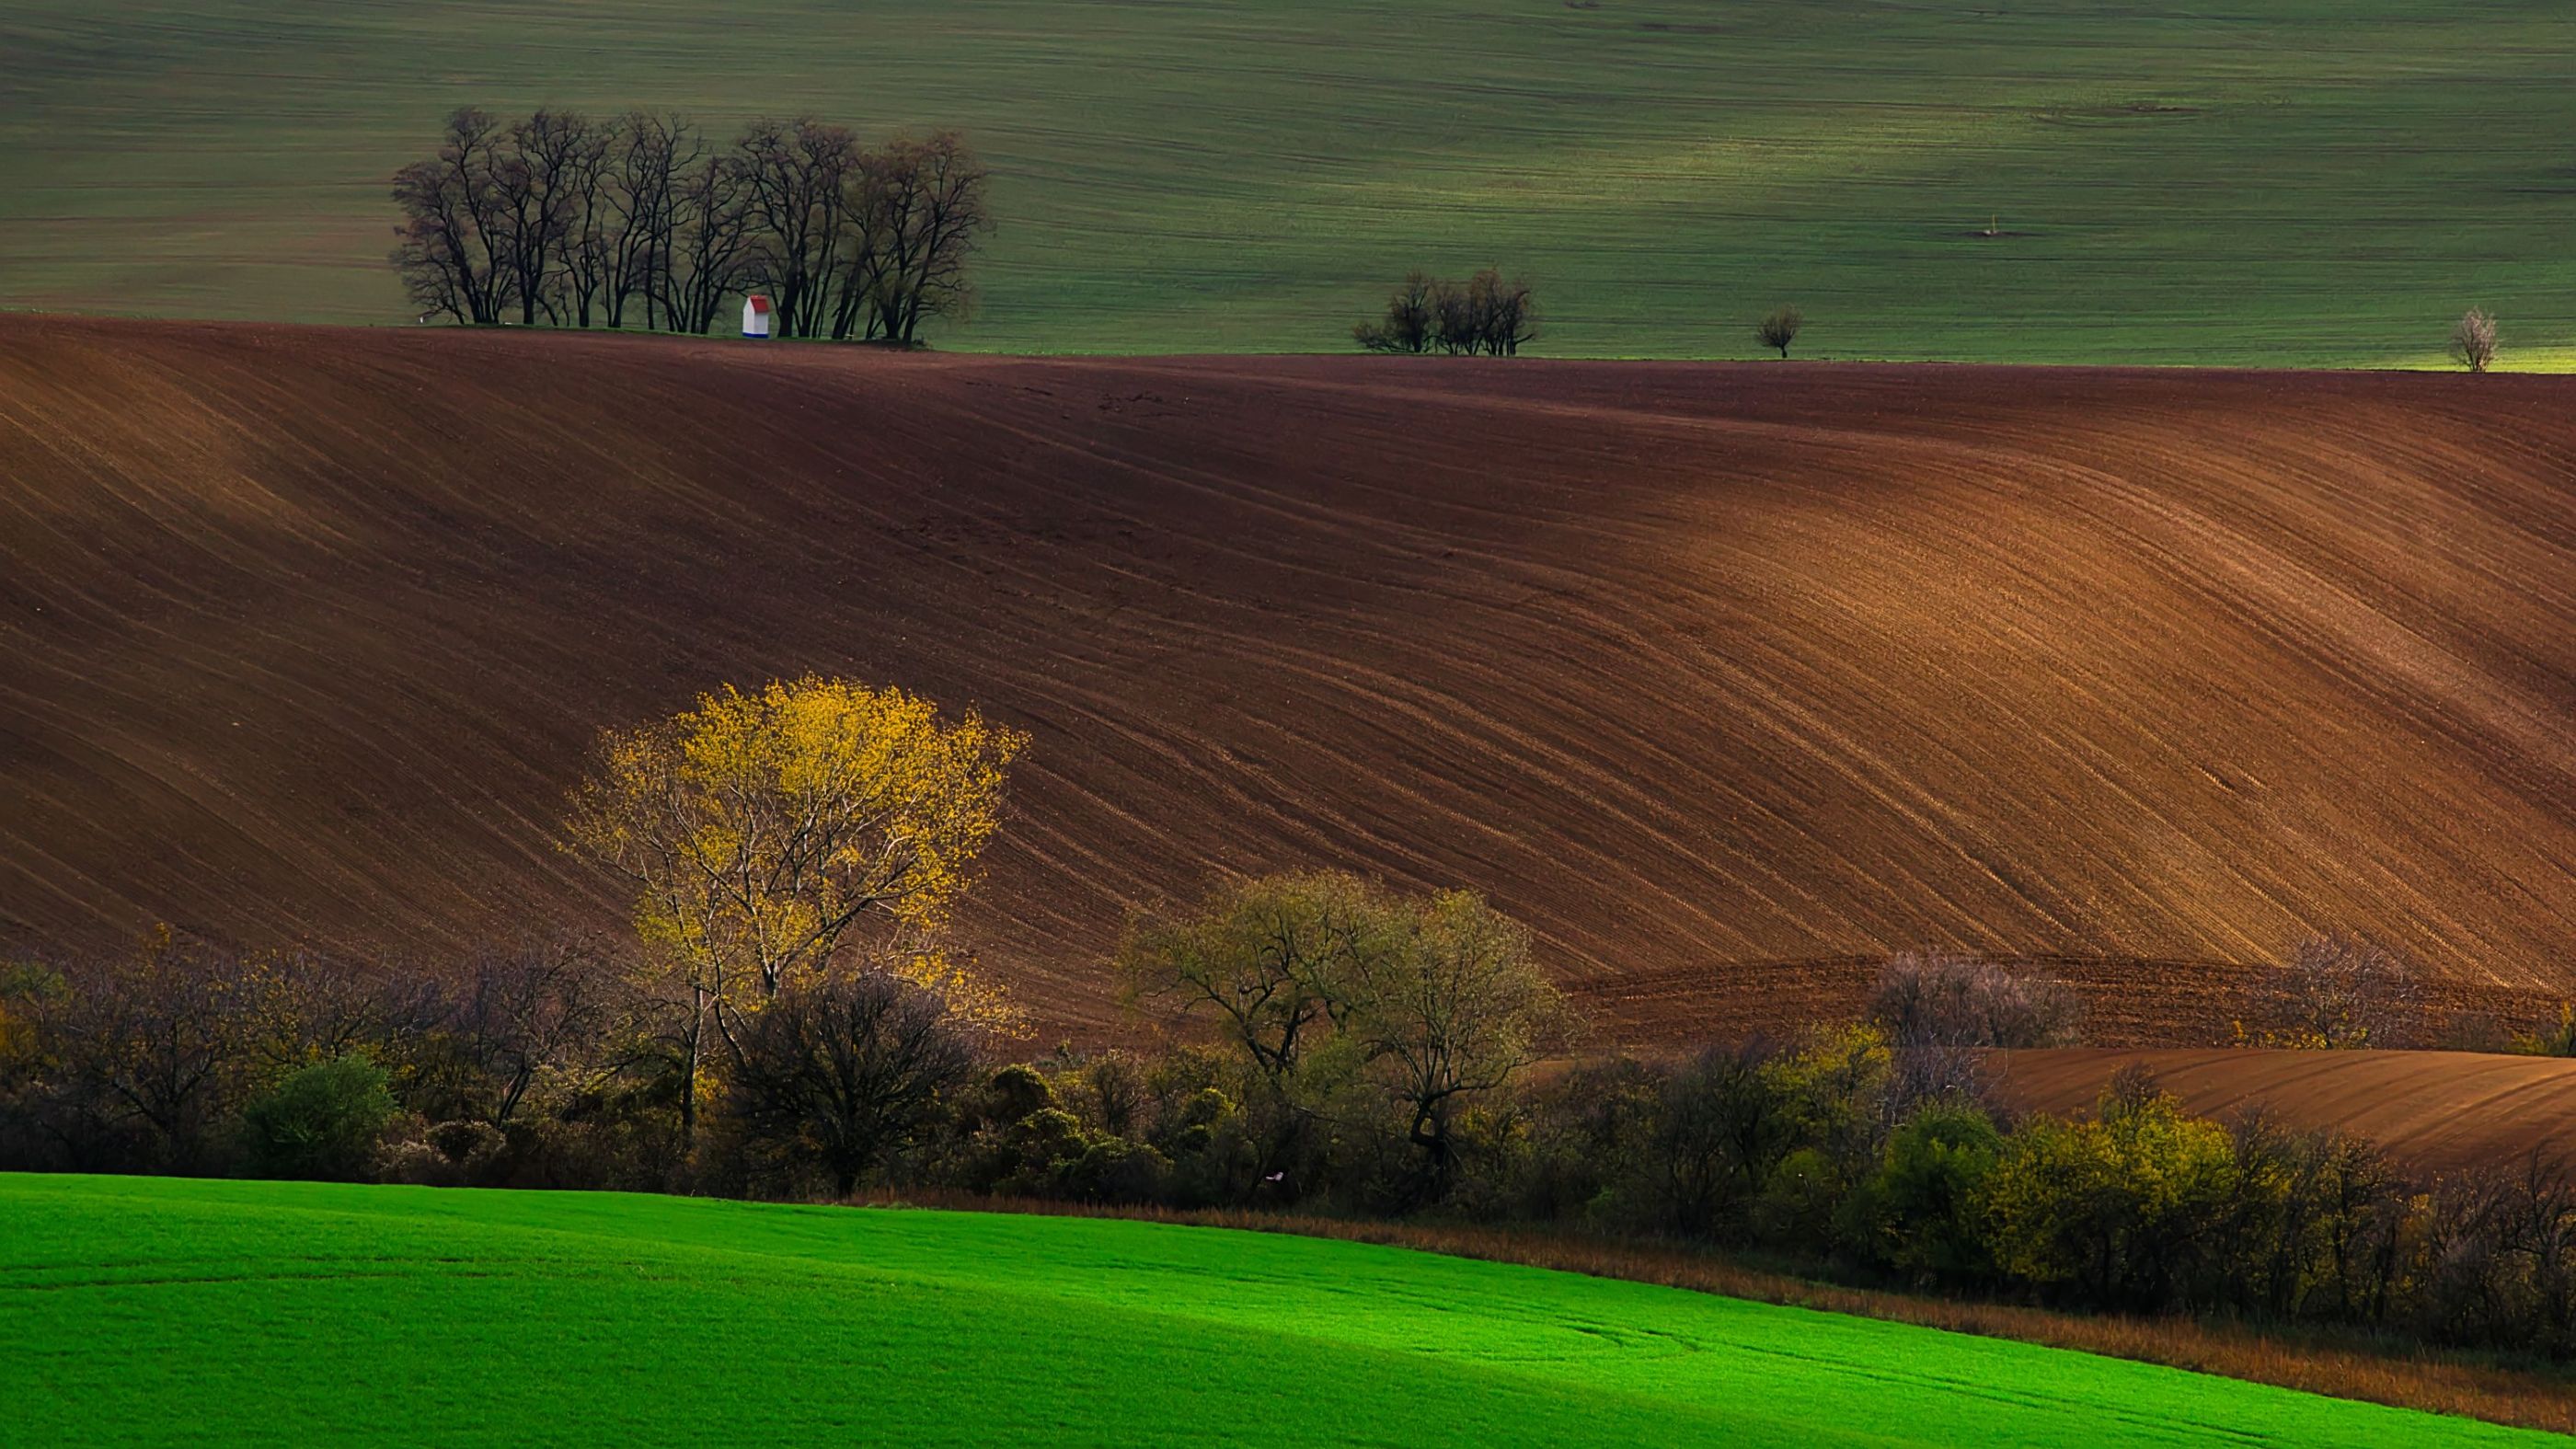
(138,1311)
(2275,182)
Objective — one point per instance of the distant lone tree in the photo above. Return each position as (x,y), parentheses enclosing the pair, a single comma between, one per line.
(2341,993)
(1937,999)
(1485,315)
(2473,339)
(1779,329)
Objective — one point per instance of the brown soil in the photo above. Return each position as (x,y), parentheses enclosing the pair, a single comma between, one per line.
(2433,1112)
(303,633)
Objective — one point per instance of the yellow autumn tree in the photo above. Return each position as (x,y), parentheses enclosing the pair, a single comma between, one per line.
(803,828)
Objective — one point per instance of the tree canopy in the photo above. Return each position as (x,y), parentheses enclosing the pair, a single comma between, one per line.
(773,836)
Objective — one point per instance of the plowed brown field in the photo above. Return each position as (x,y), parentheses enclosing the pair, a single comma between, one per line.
(2431,1111)
(303,633)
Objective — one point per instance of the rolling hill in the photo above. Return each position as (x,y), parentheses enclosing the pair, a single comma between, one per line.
(2432,1112)
(1725,678)
(143,1311)
(2268,182)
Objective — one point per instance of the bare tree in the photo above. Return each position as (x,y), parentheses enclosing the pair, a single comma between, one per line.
(1455,328)
(2473,339)
(573,220)
(838,1070)
(1942,1012)
(799,175)
(1779,329)
(159,1041)
(919,209)
(592,236)
(1502,313)
(2339,992)
(1483,315)
(1935,998)
(567,220)
(704,244)
(530,1015)
(1406,327)
(631,218)
(453,235)
(533,181)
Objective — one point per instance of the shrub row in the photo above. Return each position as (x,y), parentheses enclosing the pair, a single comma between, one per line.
(1483,315)
(567,219)
(1866,1148)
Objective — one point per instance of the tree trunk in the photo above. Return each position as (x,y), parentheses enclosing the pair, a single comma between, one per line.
(689,1071)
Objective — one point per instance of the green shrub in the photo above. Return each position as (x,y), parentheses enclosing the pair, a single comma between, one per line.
(2113,1210)
(1018,1090)
(1113,1169)
(1214,1156)
(1921,1212)
(1798,1204)
(322,1121)
(1585,1143)
(1718,1129)
(2550,1041)
(1833,1091)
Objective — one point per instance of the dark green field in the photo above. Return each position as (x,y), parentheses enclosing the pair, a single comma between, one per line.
(152,1311)
(2274,182)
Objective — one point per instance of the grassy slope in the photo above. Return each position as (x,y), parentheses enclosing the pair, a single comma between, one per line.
(153,1311)
(2272,181)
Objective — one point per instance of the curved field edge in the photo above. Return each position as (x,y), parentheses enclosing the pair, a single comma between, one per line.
(1726,680)
(152,1310)
(2435,1112)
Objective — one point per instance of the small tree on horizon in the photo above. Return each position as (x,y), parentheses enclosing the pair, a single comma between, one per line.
(1779,329)
(2473,339)
(2342,993)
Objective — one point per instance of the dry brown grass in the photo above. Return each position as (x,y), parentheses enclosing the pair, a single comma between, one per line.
(2412,1379)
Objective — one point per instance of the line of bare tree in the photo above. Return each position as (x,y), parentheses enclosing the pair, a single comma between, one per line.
(644,220)
(1483,315)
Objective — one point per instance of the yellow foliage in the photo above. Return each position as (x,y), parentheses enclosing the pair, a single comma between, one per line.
(760,829)
(2557,1041)
(2070,1198)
